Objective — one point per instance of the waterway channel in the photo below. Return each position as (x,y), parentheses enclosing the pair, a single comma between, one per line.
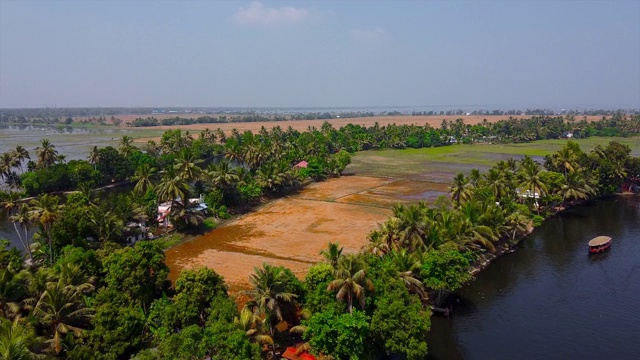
(551,299)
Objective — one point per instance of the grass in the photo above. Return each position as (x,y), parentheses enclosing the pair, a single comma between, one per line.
(440,162)
(169,240)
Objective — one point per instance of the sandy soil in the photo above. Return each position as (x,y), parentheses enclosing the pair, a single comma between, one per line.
(290,231)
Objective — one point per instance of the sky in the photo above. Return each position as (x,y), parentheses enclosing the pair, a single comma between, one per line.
(504,54)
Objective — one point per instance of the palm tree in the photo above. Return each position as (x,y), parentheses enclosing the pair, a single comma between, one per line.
(172,187)
(411,225)
(351,282)
(187,167)
(253,326)
(531,179)
(61,309)
(461,190)
(13,181)
(7,162)
(563,159)
(126,145)
(233,151)
(576,188)
(94,156)
(517,223)
(16,339)
(332,254)
(22,218)
(495,181)
(143,178)
(13,289)
(107,225)
(46,153)
(19,156)
(474,236)
(269,295)
(46,210)
(408,266)
(377,244)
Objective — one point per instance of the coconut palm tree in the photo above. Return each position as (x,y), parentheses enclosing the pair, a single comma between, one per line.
(20,154)
(233,151)
(253,326)
(94,156)
(351,282)
(576,188)
(495,181)
(332,254)
(187,167)
(564,159)
(142,177)
(474,236)
(107,225)
(13,289)
(46,210)
(7,162)
(126,145)
(530,177)
(269,296)
(172,187)
(16,340)
(412,225)
(46,153)
(517,224)
(222,175)
(22,218)
(13,181)
(61,309)
(408,267)
(461,190)
(377,243)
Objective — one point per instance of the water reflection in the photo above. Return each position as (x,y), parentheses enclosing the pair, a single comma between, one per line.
(551,299)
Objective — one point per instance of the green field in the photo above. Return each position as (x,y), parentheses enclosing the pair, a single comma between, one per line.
(441,163)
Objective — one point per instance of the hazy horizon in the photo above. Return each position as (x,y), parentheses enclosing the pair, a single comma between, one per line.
(293,54)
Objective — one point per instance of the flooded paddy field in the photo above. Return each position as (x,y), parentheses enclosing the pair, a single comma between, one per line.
(73,142)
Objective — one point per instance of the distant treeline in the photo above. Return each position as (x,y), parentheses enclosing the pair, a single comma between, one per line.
(109,116)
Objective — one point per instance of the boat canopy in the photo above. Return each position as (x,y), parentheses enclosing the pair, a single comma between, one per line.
(599,240)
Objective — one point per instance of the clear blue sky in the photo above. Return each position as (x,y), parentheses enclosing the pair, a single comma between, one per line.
(324,53)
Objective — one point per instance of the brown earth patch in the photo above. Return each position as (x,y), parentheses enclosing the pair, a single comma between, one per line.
(289,231)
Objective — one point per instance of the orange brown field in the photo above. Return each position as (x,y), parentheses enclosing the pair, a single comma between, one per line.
(303,125)
(290,231)
(293,230)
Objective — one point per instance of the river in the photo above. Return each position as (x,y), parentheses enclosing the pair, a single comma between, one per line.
(551,299)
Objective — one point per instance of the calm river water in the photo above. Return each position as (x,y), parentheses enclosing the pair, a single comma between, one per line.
(550,299)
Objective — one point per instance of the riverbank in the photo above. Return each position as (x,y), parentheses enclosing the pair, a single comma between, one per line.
(551,298)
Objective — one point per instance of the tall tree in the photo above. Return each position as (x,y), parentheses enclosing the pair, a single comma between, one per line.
(269,295)
(351,282)
(61,308)
(461,190)
(142,177)
(46,153)
(332,254)
(17,339)
(22,218)
(46,210)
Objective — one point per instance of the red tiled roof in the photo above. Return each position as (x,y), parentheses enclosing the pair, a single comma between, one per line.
(291,355)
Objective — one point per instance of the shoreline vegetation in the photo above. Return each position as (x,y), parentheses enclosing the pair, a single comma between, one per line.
(86,294)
